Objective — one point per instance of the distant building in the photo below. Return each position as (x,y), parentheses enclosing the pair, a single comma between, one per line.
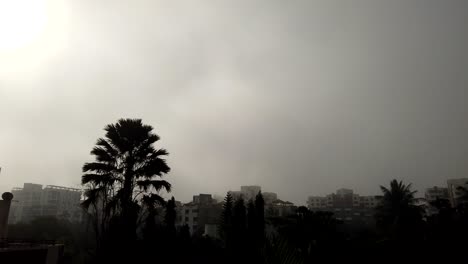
(201,215)
(453,190)
(279,208)
(33,201)
(22,251)
(249,192)
(346,206)
(269,197)
(236,194)
(203,199)
(434,193)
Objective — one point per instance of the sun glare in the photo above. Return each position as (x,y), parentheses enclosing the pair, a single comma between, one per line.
(21,22)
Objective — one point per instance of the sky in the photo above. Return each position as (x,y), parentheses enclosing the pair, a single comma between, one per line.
(300,97)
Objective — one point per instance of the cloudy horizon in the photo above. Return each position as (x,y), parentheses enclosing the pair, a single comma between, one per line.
(300,97)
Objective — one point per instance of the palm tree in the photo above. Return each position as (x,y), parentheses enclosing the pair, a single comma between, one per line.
(124,176)
(398,209)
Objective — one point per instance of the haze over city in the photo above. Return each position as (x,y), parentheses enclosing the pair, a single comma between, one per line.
(300,97)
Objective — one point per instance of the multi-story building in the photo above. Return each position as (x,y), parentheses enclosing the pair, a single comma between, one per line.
(346,205)
(269,197)
(33,201)
(279,208)
(273,206)
(434,193)
(236,194)
(317,202)
(454,191)
(201,215)
(249,192)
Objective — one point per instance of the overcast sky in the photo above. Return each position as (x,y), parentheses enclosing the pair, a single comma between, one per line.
(300,97)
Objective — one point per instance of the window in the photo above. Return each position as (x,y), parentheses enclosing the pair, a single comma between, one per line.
(187,211)
(195,219)
(186,219)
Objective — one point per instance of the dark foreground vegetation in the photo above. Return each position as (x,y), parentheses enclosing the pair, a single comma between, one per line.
(129,222)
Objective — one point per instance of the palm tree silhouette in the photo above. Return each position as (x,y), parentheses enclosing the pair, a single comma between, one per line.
(125,174)
(398,210)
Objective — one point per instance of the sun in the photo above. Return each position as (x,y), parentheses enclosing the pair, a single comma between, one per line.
(21,22)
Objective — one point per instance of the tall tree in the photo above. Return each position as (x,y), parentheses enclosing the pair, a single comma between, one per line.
(239,246)
(225,225)
(170,217)
(239,217)
(251,218)
(260,216)
(124,176)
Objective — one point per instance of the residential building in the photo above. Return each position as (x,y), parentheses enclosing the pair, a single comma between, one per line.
(33,201)
(201,215)
(454,191)
(236,194)
(269,197)
(434,193)
(23,251)
(274,207)
(346,206)
(317,202)
(279,208)
(249,192)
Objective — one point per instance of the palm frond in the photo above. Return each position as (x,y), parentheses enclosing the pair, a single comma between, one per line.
(98,167)
(97,179)
(153,166)
(153,199)
(102,155)
(156,184)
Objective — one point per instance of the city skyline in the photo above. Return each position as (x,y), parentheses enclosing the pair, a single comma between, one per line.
(219,196)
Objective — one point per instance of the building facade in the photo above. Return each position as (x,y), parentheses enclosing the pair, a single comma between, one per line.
(33,201)
(434,193)
(454,192)
(346,206)
(279,208)
(250,192)
(201,215)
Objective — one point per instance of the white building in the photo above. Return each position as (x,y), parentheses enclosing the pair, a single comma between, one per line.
(33,201)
